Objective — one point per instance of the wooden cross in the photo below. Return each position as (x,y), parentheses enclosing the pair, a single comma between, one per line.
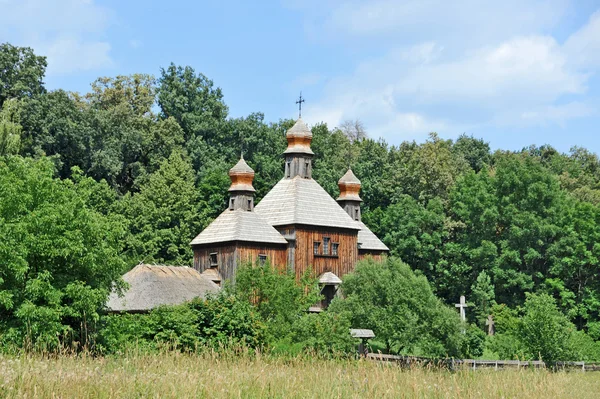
(490,323)
(462,305)
(299,102)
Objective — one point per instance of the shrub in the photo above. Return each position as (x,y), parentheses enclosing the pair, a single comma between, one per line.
(400,307)
(543,330)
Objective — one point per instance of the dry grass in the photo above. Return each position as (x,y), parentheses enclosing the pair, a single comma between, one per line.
(173,375)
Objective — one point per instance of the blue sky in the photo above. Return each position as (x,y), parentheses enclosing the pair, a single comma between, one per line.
(513,72)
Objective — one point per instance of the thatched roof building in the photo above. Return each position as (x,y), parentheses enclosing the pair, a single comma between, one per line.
(151,286)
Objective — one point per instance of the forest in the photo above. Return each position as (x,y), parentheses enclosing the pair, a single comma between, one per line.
(92,184)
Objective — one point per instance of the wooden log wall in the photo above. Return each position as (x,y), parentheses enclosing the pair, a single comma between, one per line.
(232,255)
(341,264)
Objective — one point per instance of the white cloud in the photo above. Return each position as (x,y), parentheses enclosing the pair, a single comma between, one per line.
(496,65)
(559,114)
(68,32)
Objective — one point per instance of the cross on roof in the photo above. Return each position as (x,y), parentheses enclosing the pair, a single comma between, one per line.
(462,305)
(299,102)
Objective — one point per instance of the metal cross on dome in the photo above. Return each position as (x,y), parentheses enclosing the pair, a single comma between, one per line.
(299,102)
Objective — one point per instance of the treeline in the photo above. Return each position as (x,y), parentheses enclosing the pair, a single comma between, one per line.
(92,184)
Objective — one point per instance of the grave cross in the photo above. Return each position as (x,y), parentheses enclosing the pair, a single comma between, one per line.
(490,323)
(299,102)
(462,305)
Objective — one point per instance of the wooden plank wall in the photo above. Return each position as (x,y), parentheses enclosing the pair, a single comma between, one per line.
(276,256)
(230,256)
(225,259)
(340,265)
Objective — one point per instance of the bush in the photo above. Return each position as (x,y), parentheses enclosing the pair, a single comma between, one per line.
(59,257)
(278,297)
(400,307)
(543,330)
(473,342)
(216,322)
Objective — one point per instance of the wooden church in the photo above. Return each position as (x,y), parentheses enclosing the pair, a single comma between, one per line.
(297,225)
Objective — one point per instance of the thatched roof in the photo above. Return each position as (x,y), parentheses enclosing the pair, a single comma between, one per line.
(239,225)
(303,201)
(151,286)
(367,240)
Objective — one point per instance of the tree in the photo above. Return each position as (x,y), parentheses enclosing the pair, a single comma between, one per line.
(164,215)
(279,298)
(543,330)
(475,151)
(354,130)
(400,307)
(192,100)
(482,292)
(58,257)
(10,129)
(21,72)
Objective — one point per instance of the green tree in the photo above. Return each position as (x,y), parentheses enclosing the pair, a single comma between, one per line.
(10,129)
(543,330)
(279,298)
(164,215)
(21,72)
(400,307)
(58,257)
(192,100)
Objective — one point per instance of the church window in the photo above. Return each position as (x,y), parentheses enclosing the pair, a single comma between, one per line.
(356,213)
(213,259)
(316,246)
(231,203)
(262,259)
(288,168)
(249,205)
(326,241)
(306,168)
(334,248)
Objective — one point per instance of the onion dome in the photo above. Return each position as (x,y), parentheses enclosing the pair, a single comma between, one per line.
(349,187)
(299,138)
(241,176)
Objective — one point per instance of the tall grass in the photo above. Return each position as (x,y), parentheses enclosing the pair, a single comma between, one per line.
(211,375)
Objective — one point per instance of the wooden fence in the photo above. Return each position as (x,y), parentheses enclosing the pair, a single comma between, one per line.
(456,364)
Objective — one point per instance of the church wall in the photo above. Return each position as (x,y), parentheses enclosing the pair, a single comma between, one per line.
(339,265)
(231,255)
(225,258)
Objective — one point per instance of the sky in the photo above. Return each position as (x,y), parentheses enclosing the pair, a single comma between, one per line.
(512,72)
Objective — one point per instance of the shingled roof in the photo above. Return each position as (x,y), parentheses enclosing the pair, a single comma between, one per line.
(302,201)
(368,240)
(152,286)
(239,225)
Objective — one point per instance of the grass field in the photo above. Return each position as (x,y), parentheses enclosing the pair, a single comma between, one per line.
(174,375)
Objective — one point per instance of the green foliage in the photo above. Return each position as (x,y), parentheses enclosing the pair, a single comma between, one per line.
(400,307)
(191,99)
(543,330)
(58,257)
(10,129)
(21,72)
(473,342)
(216,322)
(164,215)
(279,298)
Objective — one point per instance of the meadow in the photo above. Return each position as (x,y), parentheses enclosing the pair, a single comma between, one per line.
(174,375)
